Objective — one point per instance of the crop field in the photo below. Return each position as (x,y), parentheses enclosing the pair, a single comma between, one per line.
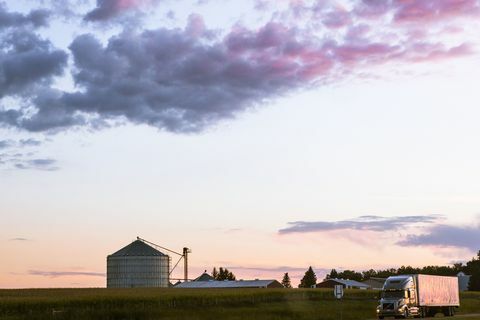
(182,304)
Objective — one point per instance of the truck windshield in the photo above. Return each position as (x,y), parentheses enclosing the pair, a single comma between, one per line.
(396,294)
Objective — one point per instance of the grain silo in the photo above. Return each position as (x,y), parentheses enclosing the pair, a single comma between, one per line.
(138,265)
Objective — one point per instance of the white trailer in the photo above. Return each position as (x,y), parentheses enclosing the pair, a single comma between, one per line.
(437,291)
(419,296)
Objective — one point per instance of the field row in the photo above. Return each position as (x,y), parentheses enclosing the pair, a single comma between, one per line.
(140,304)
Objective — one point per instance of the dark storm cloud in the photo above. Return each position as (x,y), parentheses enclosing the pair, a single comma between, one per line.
(168,79)
(57,274)
(364,223)
(36,18)
(171,79)
(27,62)
(446,236)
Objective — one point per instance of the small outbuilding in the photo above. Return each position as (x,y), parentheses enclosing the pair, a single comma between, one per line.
(347,284)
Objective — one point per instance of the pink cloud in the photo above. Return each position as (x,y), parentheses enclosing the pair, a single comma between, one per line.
(424,52)
(367,53)
(108,9)
(434,10)
(337,18)
(372,9)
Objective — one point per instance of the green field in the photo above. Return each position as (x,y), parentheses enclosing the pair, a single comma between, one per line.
(139,304)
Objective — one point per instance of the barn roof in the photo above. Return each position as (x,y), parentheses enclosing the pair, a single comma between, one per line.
(226,284)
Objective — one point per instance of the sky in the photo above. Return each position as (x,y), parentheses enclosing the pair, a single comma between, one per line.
(267,136)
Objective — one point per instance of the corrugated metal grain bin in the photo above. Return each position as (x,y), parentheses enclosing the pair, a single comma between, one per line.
(138,265)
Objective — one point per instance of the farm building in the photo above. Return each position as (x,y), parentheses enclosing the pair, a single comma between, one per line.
(205,277)
(347,284)
(375,283)
(205,281)
(138,265)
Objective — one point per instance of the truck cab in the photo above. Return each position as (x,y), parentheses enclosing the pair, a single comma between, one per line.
(398,298)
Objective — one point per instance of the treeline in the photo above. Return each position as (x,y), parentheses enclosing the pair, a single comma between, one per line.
(470,268)
(223,274)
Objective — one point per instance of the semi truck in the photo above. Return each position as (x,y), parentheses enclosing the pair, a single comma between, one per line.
(418,296)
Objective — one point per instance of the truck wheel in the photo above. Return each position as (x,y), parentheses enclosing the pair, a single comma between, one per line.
(422,312)
(451,311)
(447,311)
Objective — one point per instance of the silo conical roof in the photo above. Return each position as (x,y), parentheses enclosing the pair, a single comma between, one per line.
(137,249)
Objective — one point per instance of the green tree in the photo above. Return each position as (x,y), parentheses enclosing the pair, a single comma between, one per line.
(286,281)
(369,274)
(386,273)
(223,274)
(473,268)
(350,275)
(332,275)
(309,279)
(214,273)
(458,267)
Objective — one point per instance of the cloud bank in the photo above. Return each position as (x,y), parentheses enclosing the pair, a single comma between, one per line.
(188,79)
(446,236)
(57,274)
(428,230)
(364,223)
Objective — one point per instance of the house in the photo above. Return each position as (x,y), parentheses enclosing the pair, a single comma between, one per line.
(375,283)
(347,284)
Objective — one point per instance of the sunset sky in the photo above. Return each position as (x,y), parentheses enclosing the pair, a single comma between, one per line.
(265,135)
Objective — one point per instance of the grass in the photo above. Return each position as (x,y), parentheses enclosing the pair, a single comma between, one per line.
(183,304)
